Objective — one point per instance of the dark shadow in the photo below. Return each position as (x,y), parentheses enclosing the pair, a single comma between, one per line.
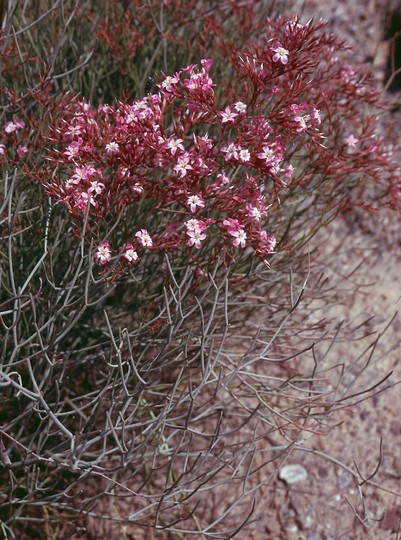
(393,35)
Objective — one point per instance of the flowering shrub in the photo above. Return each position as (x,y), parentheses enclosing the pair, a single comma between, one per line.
(153,252)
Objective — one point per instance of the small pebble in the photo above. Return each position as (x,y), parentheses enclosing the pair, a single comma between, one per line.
(292,474)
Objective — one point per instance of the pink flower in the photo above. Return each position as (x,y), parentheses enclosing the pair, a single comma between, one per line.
(112,148)
(73,149)
(281,54)
(240,107)
(167,84)
(183,165)
(267,154)
(227,115)
(195,201)
(83,199)
(223,179)
(22,150)
(203,142)
(244,155)
(239,238)
(289,169)
(351,141)
(79,174)
(130,254)
(253,212)
(315,116)
(193,224)
(231,223)
(73,131)
(83,173)
(2,149)
(237,231)
(268,242)
(144,238)
(174,144)
(96,187)
(231,151)
(19,124)
(196,236)
(10,127)
(301,121)
(103,254)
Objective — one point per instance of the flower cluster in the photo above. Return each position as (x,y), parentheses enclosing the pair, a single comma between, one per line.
(190,167)
(121,157)
(12,146)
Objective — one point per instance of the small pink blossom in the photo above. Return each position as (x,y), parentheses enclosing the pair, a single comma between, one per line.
(240,107)
(10,127)
(266,154)
(268,242)
(244,155)
(144,238)
(19,124)
(21,151)
(2,149)
(254,212)
(301,121)
(289,169)
(196,236)
(82,201)
(103,254)
(112,148)
(223,179)
(193,224)
(73,131)
(83,173)
(183,165)
(281,54)
(79,174)
(167,84)
(236,231)
(106,109)
(130,254)
(195,201)
(315,116)
(175,144)
(239,237)
(15,125)
(232,151)
(351,141)
(96,187)
(231,223)
(227,115)
(203,142)
(73,149)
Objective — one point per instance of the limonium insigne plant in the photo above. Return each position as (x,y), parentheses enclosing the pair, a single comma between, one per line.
(161,217)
